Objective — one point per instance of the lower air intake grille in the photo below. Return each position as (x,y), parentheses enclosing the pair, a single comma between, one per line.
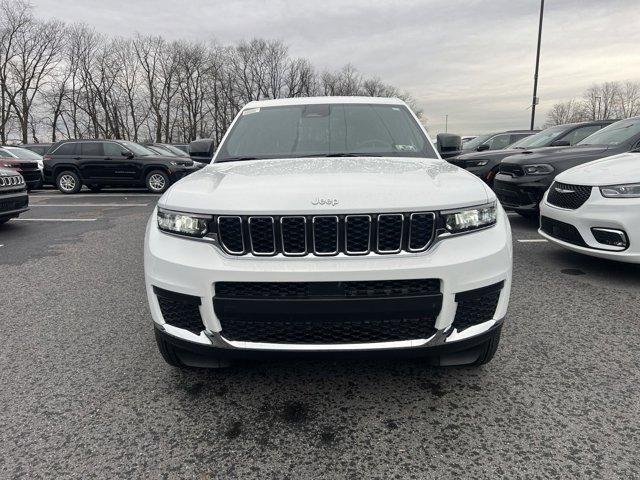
(476,306)
(329,331)
(354,289)
(567,196)
(179,310)
(562,231)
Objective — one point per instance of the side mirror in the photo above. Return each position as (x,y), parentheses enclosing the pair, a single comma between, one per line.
(483,147)
(561,143)
(126,154)
(448,144)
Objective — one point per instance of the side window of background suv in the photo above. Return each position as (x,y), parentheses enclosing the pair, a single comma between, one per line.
(91,149)
(581,133)
(498,142)
(113,150)
(68,148)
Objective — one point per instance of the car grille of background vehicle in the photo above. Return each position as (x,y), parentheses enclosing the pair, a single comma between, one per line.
(568,196)
(325,235)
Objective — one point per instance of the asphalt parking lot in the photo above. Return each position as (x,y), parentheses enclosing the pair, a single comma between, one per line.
(85,393)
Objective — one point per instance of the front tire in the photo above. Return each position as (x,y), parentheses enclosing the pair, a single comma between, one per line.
(488,349)
(169,352)
(157,181)
(68,182)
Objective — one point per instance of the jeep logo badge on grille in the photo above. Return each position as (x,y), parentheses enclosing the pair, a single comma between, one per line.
(325,201)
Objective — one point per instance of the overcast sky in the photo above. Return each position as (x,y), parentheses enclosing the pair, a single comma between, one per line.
(472,60)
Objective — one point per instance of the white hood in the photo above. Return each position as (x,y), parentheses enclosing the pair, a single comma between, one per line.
(617,169)
(347,185)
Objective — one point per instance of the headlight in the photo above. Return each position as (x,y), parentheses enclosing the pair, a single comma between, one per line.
(459,221)
(630,190)
(538,169)
(40,164)
(191,225)
(476,163)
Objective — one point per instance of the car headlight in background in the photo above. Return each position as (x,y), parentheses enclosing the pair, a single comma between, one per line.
(630,190)
(191,225)
(537,169)
(468,219)
(476,163)
(40,164)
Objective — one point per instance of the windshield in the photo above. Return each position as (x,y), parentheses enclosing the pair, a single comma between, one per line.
(325,130)
(175,150)
(540,139)
(138,149)
(614,134)
(159,150)
(23,153)
(476,142)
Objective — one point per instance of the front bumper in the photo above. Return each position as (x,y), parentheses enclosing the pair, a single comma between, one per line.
(598,212)
(522,194)
(13,204)
(462,263)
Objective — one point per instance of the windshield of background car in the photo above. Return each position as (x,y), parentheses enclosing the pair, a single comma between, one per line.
(614,134)
(540,139)
(24,154)
(175,150)
(476,142)
(159,150)
(138,149)
(325,130)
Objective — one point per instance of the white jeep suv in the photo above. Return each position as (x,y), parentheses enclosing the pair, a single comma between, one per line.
(328,225)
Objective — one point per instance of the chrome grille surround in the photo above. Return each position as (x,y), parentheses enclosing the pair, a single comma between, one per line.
(325,235)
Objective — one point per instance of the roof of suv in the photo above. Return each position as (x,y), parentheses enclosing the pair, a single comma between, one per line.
(323,100)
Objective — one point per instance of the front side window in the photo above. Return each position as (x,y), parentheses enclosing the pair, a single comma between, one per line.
(499,142)
(114,150)
(476,142)
(325,130)
(615,134)
(137,149)
(581,133)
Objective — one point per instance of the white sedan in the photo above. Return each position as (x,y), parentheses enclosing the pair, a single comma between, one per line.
(594,208)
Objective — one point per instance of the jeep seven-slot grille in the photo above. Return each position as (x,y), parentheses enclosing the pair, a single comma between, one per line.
(568,196)
(321,235)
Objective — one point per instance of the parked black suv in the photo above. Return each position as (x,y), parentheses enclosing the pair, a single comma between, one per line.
(98,163)
(523,178)
(485,164)
(14,199)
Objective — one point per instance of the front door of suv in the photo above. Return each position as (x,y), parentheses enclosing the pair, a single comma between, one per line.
(121,163)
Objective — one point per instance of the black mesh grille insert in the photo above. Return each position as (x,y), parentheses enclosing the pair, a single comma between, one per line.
(13,204)
(179,310)
(294,235)
(262,236)
(568,196)
(325,235)
(230,232)
(389,232)
(562,231)
(353,289)
(476,306)
(329,331)
(421,230)
(358,233)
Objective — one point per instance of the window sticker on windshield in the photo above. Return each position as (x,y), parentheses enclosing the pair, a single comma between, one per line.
(249,111)
(405,148)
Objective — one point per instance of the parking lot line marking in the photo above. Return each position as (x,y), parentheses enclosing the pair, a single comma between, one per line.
(90,205)
(533,240)
(54,219)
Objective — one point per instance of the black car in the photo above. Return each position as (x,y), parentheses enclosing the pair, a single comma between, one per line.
(485,164)
(14,199)
(97,163)
(523,178)
(171,151)
(39,148)
(495,141)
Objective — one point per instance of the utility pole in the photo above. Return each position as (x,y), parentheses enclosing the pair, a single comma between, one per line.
(534,101)
(446,123)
